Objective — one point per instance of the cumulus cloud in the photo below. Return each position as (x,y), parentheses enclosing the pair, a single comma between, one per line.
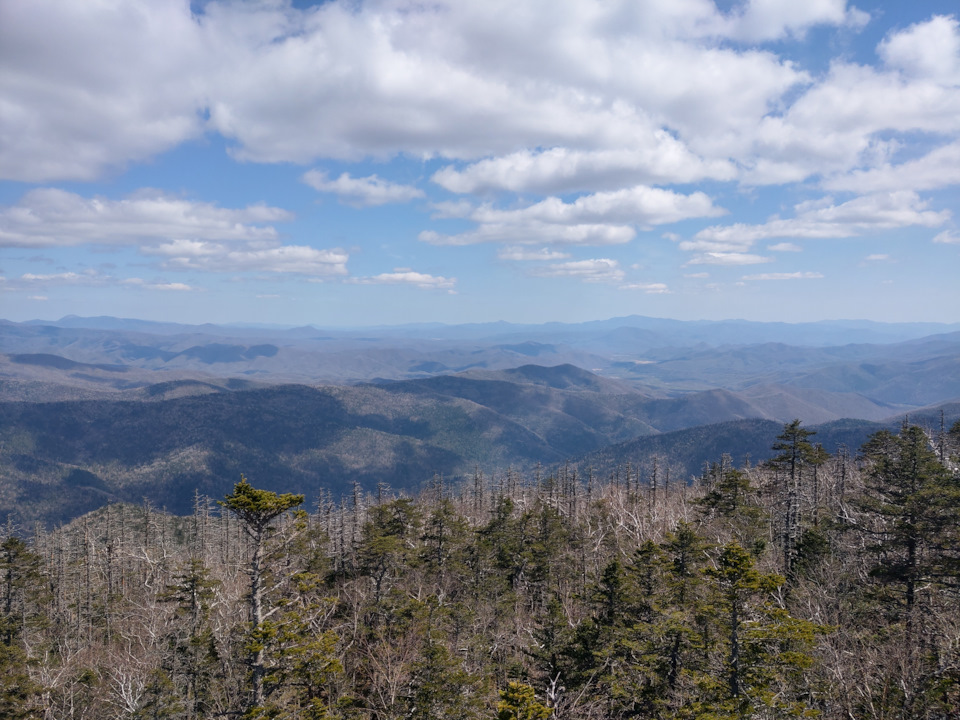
(649,288)
(758,20)
(938,168)
(925,50)
(598,270)
(664,160)
(362,192)
(223,257)
(87,87)
(49,217)
(535,232)
(605,218)
(947,237)
(731,244)
(842,123)
(820,219)
(187,235)
(92,85)
(550,98)
(407,276)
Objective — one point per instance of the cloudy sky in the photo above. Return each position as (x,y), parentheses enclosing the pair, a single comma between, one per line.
(361,163)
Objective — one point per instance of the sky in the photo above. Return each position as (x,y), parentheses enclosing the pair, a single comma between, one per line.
(385,162)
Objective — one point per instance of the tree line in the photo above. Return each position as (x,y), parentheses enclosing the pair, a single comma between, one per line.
(812,585)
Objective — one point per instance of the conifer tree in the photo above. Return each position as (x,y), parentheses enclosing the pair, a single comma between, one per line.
(519,702)
(912,513)
(796,452)
(760,650)
(257,510)
(21,585)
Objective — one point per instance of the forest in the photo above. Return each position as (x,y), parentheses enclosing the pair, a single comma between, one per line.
(811,585)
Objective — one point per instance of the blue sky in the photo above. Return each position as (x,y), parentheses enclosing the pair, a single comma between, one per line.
(364,163)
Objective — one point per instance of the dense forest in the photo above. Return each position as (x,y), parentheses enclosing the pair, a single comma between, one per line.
(813,585)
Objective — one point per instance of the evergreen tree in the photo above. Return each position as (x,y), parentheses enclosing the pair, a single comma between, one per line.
(195,656)
(796,453)
(912,513)
(257,510)
(519,702)
(733,501)
(760,651)
(21,578)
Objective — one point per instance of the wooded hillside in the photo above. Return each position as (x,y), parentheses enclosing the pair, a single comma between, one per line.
(813,585)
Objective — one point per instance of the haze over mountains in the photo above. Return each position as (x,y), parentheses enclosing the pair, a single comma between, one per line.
(100,409)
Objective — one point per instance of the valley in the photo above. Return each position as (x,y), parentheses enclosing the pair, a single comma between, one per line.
(104,410)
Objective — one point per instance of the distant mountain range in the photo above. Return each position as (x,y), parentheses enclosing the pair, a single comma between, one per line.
(94,410)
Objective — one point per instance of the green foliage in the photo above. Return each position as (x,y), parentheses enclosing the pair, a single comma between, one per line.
(758,650)
(257,509)
(734,501)
(519,702)
(912,508)
(21,588)
(19,694)
(440,688)
(615,604)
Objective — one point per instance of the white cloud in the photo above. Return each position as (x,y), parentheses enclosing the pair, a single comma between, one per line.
(49,217)
(938,168)
(877,257)
(844,122)
(521,253)
(870,213)
(784,247)
(698,275)
(573,95)
(362,192)
(188,235)
(535,232)
(89,86)
(785,276)
(758,20)
(604,218)
(221,257)
(642,205)
(947,237)
(140,282)
(94,85)
(406,276)
(87,277)
(929,49)
(598,270)
(727,258)
(649,288)
(664,160)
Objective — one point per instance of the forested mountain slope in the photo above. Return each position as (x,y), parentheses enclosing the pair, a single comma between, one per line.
(809,586)
(60,459)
